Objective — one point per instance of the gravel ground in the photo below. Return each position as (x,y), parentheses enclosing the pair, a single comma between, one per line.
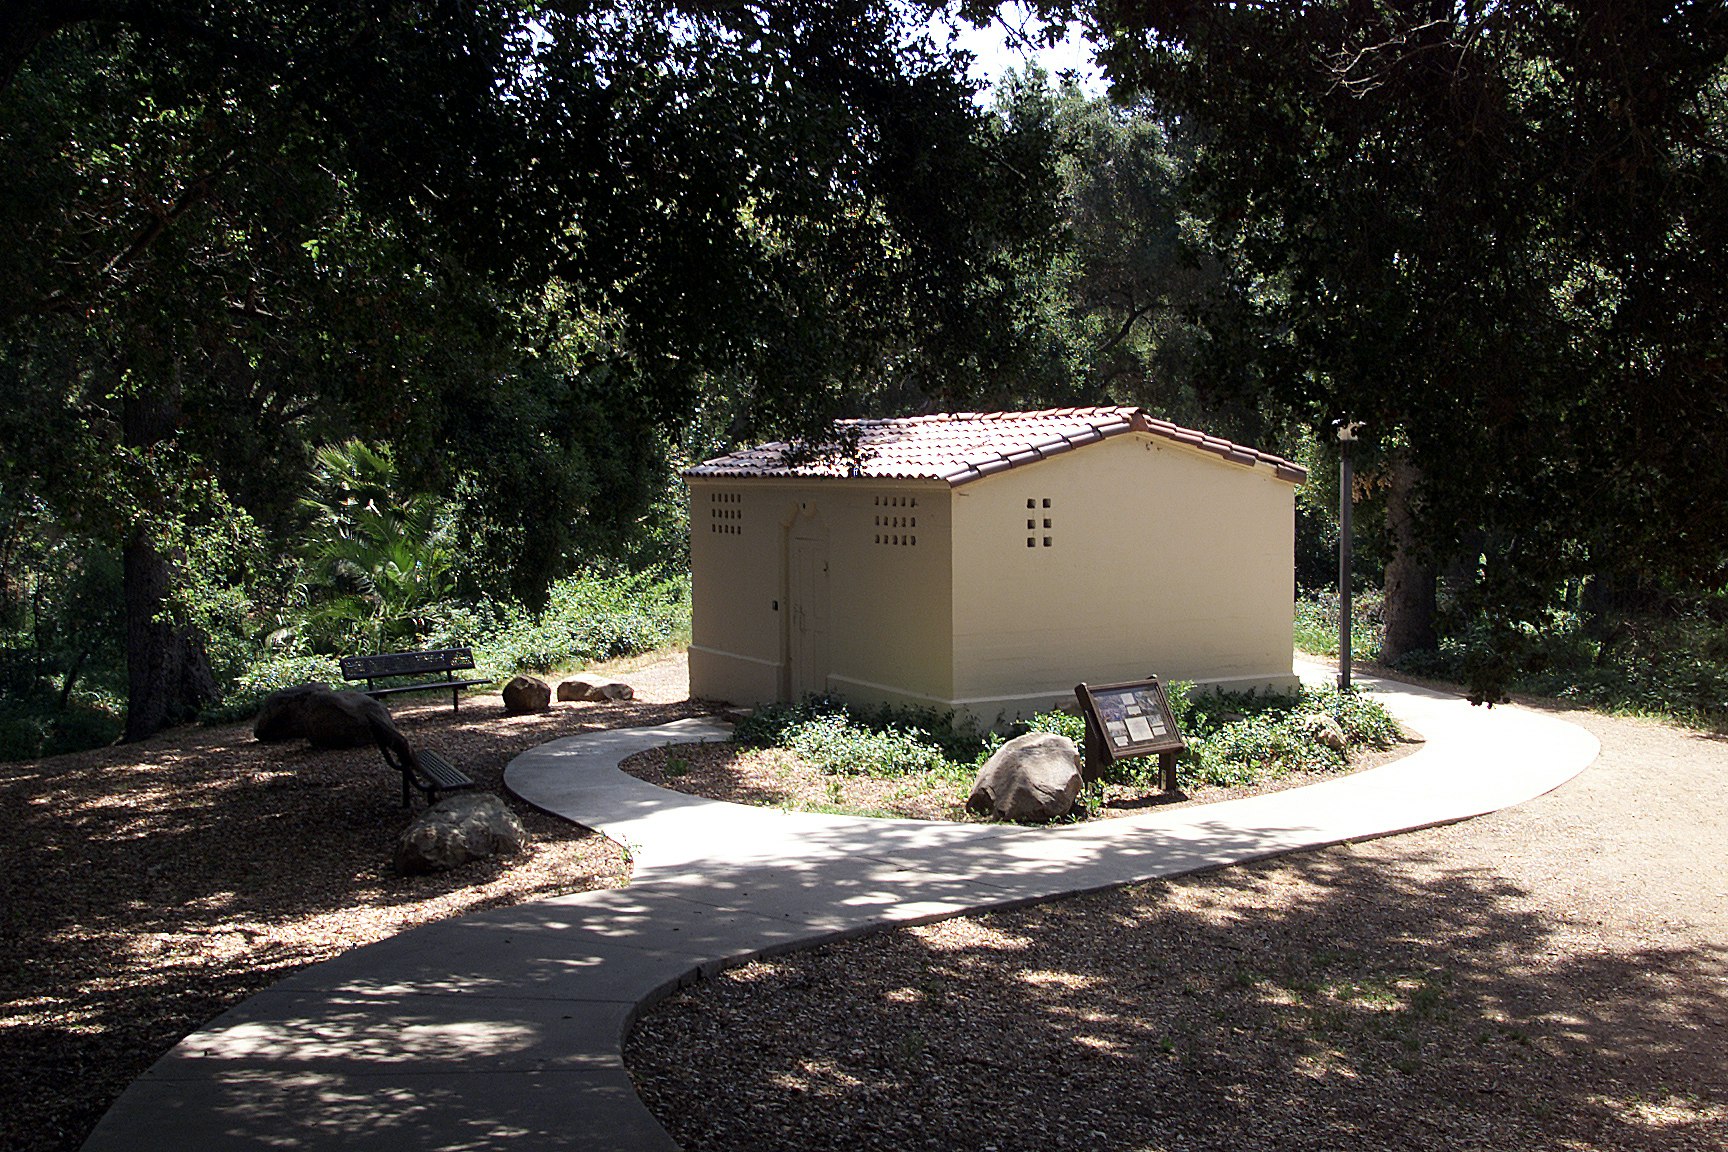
(148,887)
(1549,977)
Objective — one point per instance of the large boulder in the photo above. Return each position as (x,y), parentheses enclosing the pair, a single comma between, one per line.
(1033,778)
(279,716)
(459,828)
(592,686)
(526,694)
(325,718)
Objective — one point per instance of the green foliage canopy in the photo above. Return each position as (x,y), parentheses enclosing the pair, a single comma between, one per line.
(533,248)
(1491,230)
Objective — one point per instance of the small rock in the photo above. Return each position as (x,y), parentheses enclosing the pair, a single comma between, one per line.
(591,686)
(1035,778)
(457,829)
(1326,730)
(526,694)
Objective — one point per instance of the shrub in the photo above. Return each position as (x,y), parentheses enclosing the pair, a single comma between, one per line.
(768,724)
(1271,744)
(1237,738)
(588,617)
(33,727)
(1669,665)
(1316,625)
(1233,738)
(956,743)
(836,744)
(267,673)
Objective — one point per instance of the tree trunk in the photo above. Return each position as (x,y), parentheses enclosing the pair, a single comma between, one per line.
(168,676)
(1410,604)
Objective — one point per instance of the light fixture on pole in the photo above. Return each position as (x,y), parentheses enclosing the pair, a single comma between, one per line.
(1346,437)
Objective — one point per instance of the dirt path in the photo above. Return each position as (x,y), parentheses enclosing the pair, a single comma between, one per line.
(1550,977)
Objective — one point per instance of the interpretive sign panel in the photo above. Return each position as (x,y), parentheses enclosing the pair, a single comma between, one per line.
(1126,720)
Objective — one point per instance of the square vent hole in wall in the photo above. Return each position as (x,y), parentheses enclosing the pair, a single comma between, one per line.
(1039,522)
(725,516)
(896,521)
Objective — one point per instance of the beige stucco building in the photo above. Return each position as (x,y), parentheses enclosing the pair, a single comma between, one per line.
(989,562)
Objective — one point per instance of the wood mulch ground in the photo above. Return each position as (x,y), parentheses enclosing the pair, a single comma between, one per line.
(1554,976)
(148,887)
(1550,977)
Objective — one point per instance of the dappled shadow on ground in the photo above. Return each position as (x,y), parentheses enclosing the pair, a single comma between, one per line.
(150,886)
(1320,1001)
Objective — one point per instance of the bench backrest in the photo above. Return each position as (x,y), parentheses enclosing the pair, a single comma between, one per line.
(406,663)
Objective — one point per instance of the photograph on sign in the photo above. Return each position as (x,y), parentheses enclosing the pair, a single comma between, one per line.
(1134,717)
(1128,720)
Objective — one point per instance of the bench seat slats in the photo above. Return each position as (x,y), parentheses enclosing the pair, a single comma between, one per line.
(430,684)
(442,773)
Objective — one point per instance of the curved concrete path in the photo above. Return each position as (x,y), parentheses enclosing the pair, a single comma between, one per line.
(505,1029)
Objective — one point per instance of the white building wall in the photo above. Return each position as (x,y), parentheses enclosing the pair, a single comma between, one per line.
(1162,560)
(887,605)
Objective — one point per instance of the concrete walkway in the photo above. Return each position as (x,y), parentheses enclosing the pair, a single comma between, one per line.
(505,1029)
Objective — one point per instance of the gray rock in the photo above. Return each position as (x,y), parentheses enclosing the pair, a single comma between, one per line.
(1326,730)
(592,686)
(526,694)
(342,719)
(1033,778)
(459,828)
(279,716)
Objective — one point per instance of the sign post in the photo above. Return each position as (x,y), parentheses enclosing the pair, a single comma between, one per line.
(1347,430)
(1126,720)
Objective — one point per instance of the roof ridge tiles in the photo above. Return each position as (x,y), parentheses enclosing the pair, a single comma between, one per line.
(958,447)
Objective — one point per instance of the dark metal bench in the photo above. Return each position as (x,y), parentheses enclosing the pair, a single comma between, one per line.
(425,770)
(436,775)
(390,664)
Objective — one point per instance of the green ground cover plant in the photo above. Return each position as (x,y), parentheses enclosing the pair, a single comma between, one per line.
(1234,739)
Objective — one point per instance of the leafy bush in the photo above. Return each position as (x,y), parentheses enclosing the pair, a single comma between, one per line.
(587,617)
(1264,746)
(1317,616)
(270,671)
(1665,665)
(1233,738)
(838,745)
(767,724)
(33,727)
(80,727)
(1363,719)
(881,741)
(1068,724)
(1237,738)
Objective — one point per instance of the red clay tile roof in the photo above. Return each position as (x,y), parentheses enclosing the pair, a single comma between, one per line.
(962,446)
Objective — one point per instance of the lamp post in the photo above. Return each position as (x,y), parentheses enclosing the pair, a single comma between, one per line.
(1346,437)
